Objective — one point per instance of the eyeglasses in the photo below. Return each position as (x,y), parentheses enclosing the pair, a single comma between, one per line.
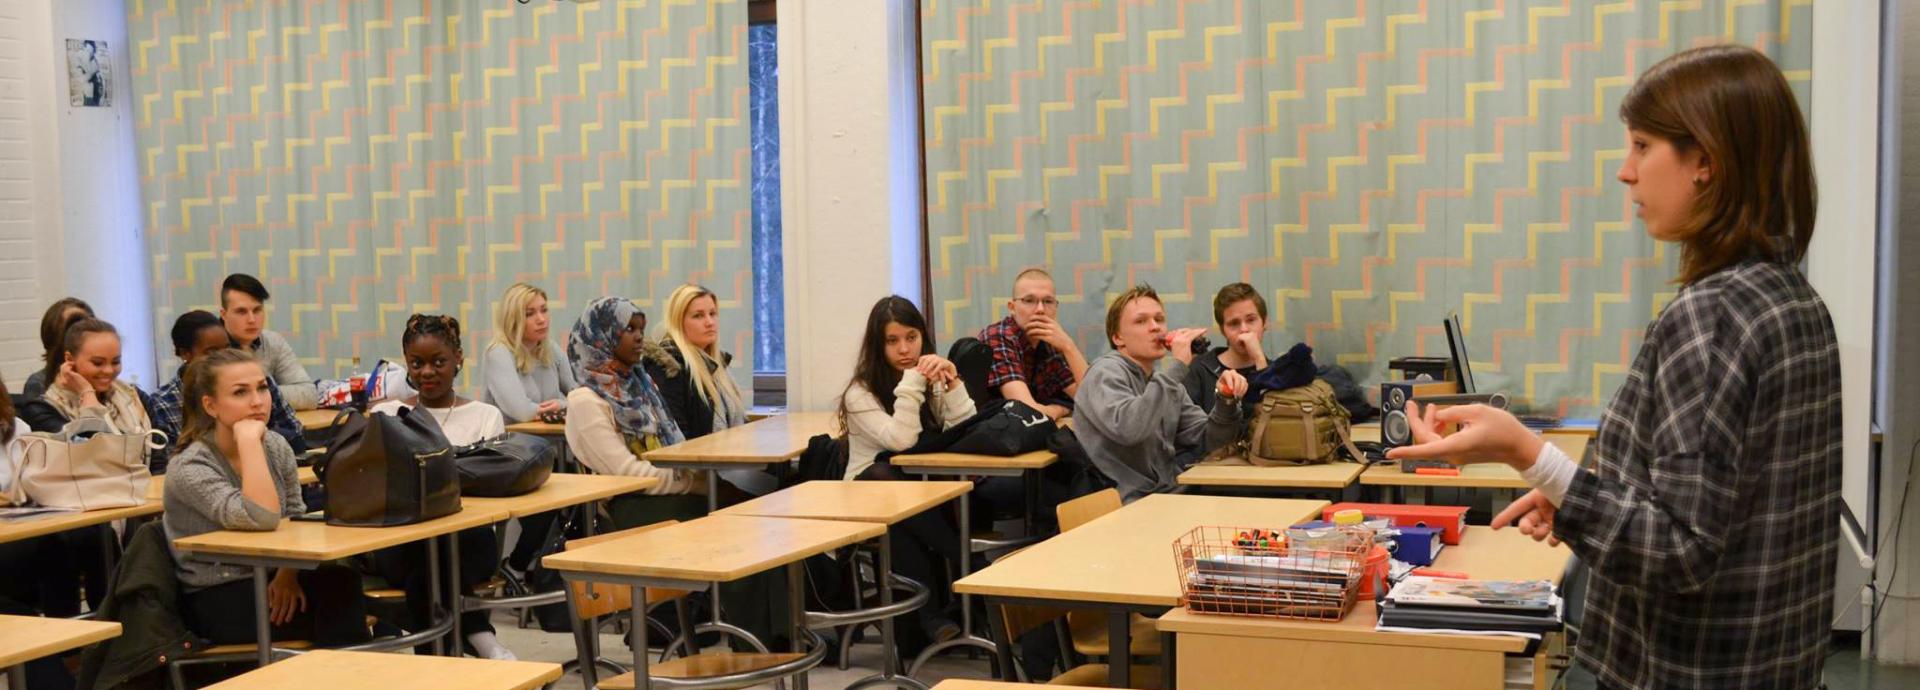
(1032,302)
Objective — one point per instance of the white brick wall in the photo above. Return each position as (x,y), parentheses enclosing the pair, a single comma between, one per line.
(20,177)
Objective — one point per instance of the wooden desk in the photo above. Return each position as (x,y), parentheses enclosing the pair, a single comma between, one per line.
(716,548)
(974,465)
(560,491)
(710,550)
(1329,476)
(42,525)
(1348,653)
(769,440)
(1123,560)
(303,544)
(968,684)
(326,669)
(317,419)
(876,501)
(1480,476)
(25,638)
(306,544)
(539,428)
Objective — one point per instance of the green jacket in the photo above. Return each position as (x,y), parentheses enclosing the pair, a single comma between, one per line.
(145,599)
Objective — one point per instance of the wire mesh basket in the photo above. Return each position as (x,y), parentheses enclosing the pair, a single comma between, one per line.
(1241,571)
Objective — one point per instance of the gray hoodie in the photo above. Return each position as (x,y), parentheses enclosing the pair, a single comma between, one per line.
(1132,425)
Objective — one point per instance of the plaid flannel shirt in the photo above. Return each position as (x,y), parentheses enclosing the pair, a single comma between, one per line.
(1710,518)
(165,413)
(1015,359)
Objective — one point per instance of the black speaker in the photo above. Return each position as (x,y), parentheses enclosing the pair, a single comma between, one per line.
(1396,430)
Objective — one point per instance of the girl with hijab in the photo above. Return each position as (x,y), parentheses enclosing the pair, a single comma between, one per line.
(616,415)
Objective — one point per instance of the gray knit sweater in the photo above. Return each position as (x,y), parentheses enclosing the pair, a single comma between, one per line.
(1132,425)
(203,495)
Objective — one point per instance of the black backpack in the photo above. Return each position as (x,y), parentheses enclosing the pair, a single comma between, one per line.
(825,458)
(974,360)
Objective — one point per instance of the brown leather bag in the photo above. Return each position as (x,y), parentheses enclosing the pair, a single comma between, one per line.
(386,470)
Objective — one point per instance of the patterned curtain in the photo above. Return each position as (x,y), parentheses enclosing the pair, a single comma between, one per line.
(368,160)
(1369,166)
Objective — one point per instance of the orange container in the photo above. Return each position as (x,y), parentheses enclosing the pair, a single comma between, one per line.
(1374,570)
(1449,519)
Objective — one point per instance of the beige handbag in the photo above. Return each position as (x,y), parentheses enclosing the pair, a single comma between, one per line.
(105,470)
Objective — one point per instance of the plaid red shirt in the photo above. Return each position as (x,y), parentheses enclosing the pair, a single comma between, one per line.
(1015,359)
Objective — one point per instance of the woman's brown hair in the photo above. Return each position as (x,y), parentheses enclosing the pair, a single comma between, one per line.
(6,413)
(201,380)
(1732,105)
(53,333)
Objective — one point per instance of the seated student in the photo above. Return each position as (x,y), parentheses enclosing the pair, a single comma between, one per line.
(703,399)
(51,586)
(520,375)
(1134,420)
(431,344)
(88,384)
(899,389)
(195,334)
(616,415)
(243,308)
(1034,360)
(518,372)
(234,475)
(53,328)
(1241,314)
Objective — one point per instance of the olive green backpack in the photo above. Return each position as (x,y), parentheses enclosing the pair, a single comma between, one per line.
(1305,425)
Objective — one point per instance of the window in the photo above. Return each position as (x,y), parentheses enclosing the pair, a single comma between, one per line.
(769,307)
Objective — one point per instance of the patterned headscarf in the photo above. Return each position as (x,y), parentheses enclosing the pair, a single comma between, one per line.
(637,407)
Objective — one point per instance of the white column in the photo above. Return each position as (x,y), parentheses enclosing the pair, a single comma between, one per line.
(849,168)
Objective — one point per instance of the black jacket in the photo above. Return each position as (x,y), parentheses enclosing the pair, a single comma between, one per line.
(668,368)
(145,600)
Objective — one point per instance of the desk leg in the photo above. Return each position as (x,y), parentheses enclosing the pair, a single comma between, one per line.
(797,615)
(638,615)
(1120,648)
(17,677)
(1003,647)
(433,593)
(890,663)
(262,628)
(459,595)
(713,506)
(1167,658)
(967,638)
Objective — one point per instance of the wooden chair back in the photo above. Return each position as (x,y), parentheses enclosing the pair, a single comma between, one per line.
(1084,509)
(595,599)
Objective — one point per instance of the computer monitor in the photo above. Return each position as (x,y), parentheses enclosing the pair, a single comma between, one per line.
(1457,347)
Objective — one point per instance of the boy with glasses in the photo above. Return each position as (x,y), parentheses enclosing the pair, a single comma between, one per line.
(1034,360)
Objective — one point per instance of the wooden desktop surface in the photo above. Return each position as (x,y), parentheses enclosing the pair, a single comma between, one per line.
(883,502)
(539,428)
(1479,476)
(1126,557)
(716,548)
(25,638)
(42,525)
(1332,475)
(1482,554)
(773,439)
(316,420)
(1035,460)
(969,684)
(561,491)
(314,542)
(326,669)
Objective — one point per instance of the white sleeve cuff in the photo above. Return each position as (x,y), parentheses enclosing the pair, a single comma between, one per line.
(1552,473)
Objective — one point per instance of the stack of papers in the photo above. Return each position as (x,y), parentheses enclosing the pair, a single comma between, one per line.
(1524,608)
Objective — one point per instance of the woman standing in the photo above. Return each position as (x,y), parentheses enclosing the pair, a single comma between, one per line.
(1709,515)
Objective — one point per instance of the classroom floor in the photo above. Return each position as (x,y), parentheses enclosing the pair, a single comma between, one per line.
(533,645)
(1845,669)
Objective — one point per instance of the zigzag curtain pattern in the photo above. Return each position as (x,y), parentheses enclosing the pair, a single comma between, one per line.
(1369,165)
(369,160)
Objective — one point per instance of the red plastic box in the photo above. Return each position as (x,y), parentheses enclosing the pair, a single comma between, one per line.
(1450,519)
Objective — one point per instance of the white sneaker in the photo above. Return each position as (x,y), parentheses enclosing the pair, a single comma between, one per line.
(488,646)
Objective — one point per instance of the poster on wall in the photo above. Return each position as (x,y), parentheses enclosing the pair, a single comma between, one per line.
(89,75)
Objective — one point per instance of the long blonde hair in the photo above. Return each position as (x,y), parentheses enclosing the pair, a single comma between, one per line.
(704,382)
(510,327)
